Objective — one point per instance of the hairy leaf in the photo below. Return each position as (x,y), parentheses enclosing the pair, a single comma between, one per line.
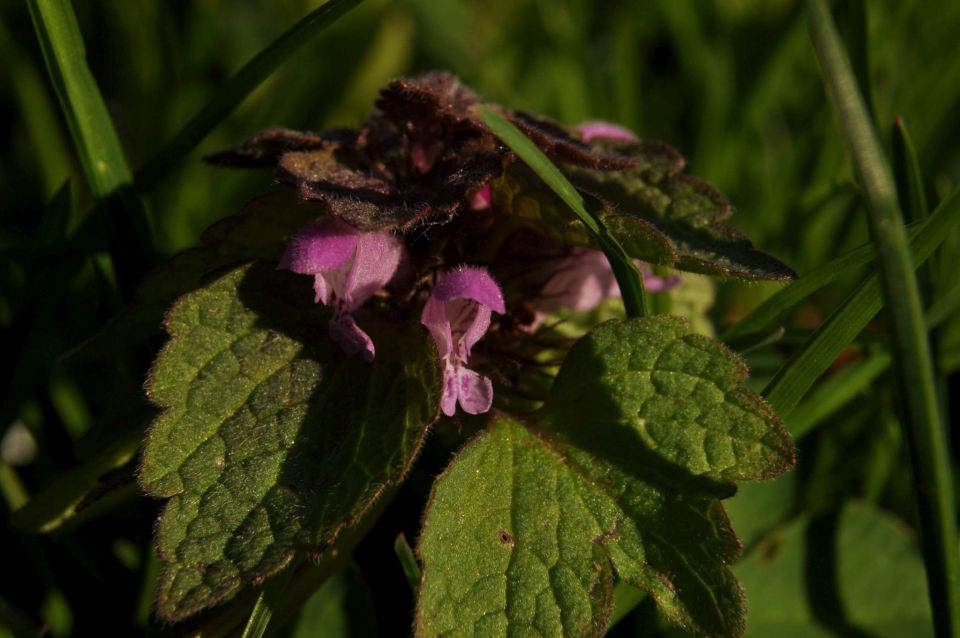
(342,179)
(417,160)
(657,395)
(657,200)
(271,441)
(530,524)
(521,538)
(264,149)
(658,213)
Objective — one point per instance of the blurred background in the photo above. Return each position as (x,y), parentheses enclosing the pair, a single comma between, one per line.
(732,84)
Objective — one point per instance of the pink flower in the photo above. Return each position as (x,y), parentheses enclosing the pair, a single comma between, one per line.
(457,316)
(590,130)
(348,266)
(583,279)
(481,199)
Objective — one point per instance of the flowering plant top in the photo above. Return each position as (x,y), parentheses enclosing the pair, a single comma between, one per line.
(414,269)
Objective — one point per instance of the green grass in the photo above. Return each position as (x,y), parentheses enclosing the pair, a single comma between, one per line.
(927,440)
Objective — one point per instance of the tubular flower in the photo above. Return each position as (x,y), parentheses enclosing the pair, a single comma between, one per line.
(457,316)
(348,266)
(584,278)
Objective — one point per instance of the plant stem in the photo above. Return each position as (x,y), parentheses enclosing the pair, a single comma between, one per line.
(923,430)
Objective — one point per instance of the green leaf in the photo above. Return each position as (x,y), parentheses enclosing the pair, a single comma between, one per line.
(272,441)
(654,391)
(872,579)
(520,539)
(657,205)
(528,526)
(654,210)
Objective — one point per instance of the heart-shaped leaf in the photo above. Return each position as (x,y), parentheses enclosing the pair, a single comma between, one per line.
(615,478)
(653,390)
(272,441)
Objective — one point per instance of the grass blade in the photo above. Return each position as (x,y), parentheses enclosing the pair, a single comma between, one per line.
(96,141)
(237,88)
(796,377)
(764,316)
(924,432)
(408,561)
(944,307)
(259,617)
(830,397)
(628,277)
(906,170)
(11,487)
(270,595)
(98,146)
(852,17)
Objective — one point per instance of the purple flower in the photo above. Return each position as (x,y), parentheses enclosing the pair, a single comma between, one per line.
(590,130)
(348,266)
(481,199)
(584,278)
(457,316)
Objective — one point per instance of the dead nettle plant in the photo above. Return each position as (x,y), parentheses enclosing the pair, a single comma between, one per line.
(444,259)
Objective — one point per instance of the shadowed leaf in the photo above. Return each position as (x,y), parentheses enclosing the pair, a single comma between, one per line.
(653,390)
(657,200)
(616,475)
(264,423)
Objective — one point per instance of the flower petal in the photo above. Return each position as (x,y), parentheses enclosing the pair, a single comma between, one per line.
(435,318)
(582,281)
(451,390)
(466,282)
(482,198)
(475,392)
(348,335)
(376,260)
(320,247)
(468,321)
(590,130)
